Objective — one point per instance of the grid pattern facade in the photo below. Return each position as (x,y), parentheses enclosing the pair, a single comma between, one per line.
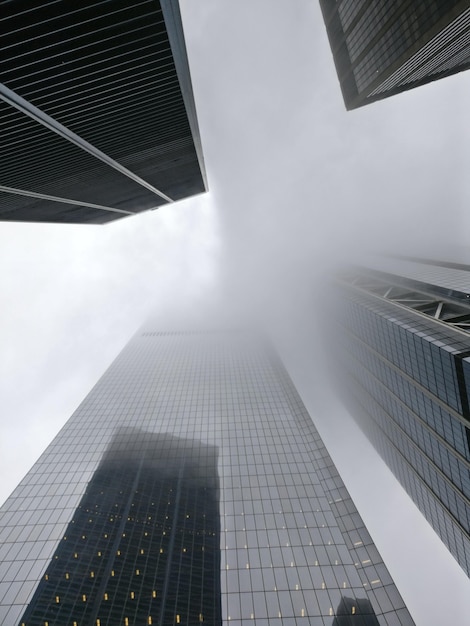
(291,547)
(405,377)
(97,112)
(143,545)
(381,48)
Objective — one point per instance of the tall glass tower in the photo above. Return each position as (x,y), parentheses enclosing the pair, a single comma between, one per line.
(381,48)
(404,353)
(190,486)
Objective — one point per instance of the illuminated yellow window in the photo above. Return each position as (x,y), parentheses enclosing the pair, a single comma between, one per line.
(126,621)
(149,621)
(57,599)
(118,552)
(302,613)
(84,598)
(98,622)
(75,556)
(178,619)
(99,553)
(106,596)
(92,574)
(353,610)
(46,577)
(132,595)
(67,575)
(141,551)
(154,594)
(161,550)
(201,617)
(137,572)
(112,572)
(46,623)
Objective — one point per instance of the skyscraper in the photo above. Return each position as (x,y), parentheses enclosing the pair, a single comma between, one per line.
(383,48)
(403,362)
(190,486)
(98,119)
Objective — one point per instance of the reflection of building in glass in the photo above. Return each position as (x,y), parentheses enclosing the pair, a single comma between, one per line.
(353,611)
(383,48)
(144,542)
(291,542)
(98,96)
(405,350)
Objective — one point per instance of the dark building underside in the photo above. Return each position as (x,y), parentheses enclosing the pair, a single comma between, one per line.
(383,48)
(97,116)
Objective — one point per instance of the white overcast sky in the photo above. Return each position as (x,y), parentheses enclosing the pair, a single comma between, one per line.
(296,185)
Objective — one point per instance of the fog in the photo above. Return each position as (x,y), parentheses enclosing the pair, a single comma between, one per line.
(298,186)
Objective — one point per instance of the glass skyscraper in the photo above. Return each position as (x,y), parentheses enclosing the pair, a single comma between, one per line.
(98,119)
(403,362)
(381,48)
(190,486)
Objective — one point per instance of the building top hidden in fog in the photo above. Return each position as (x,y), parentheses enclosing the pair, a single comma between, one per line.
(381,48)
(403,359)
(97,111)
(190,487)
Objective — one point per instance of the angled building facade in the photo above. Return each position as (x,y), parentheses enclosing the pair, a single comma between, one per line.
(98,119)
(383,48)
(403,362)
(190,486)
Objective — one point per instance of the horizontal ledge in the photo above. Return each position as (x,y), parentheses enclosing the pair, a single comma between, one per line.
(44,196)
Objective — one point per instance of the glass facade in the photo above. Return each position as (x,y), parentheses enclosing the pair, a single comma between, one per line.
(143,544)
(405,365)
(381,48)
(190,486)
